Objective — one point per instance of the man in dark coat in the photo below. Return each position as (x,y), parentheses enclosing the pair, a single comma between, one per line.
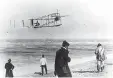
(9,67)
(61,61)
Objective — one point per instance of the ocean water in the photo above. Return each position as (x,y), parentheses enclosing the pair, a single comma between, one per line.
(27,52)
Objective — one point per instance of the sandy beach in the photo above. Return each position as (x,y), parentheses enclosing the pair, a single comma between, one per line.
(25,57)
(88,69)
(83,68)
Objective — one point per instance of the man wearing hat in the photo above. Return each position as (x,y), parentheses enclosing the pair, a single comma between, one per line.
(9,68)
(61,61)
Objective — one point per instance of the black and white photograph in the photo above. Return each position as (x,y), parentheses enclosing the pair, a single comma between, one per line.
(56,38)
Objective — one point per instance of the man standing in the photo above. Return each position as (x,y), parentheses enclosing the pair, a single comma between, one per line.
(61,61)
(100,57)
(43,64)
(9,68)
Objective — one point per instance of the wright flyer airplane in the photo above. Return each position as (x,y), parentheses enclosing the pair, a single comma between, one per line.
(50,20)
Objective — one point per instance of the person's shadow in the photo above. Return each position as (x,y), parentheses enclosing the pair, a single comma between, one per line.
(92,71)
(81,71)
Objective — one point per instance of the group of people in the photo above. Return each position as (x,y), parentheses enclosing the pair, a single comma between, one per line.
(61,62)
(9,67)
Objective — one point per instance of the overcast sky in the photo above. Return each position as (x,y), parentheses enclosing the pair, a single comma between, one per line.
(88,19)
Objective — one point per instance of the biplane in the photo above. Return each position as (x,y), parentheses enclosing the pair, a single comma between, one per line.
(51,20)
